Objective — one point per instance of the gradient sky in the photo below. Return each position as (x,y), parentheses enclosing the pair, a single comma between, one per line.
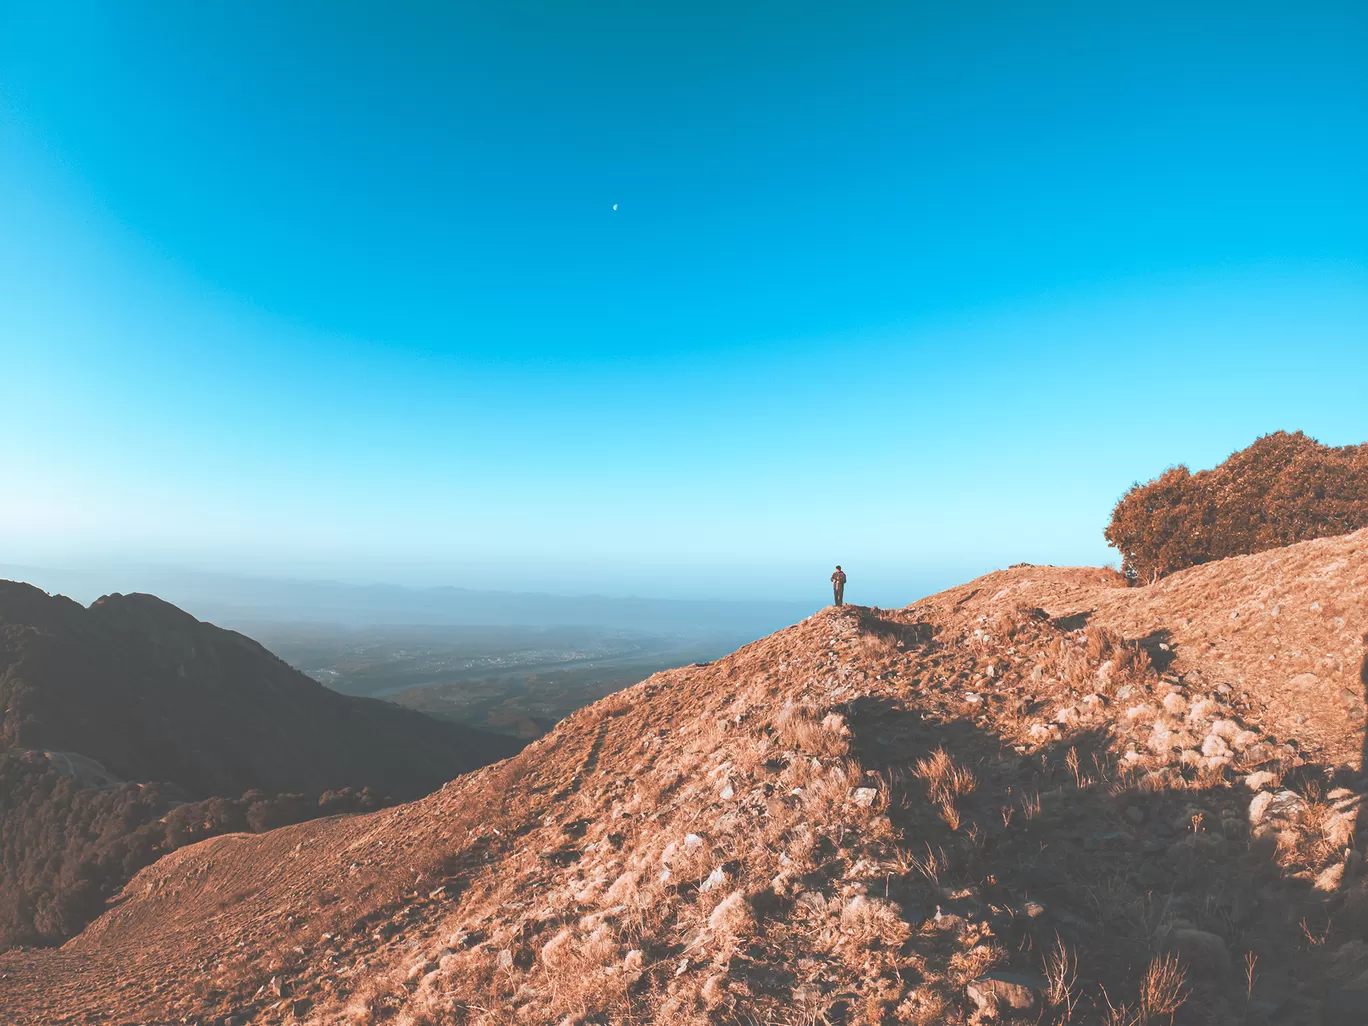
(339,290)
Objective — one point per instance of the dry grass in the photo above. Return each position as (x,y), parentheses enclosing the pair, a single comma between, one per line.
(946,780)
(1061,977)
(1163,990)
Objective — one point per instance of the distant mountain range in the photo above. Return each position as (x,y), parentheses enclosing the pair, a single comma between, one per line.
(243,600)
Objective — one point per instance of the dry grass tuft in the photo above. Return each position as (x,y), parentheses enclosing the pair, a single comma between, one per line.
(1163,990)
(1061,976)
(945,778)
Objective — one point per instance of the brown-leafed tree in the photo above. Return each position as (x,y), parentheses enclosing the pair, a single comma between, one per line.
(1284,488)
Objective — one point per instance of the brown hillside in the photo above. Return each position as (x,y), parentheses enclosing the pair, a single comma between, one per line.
(112,716)
(1041,787)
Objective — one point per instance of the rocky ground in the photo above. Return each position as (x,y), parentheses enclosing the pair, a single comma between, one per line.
(1042,795)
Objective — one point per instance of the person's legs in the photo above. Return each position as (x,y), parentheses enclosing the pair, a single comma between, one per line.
(840,593)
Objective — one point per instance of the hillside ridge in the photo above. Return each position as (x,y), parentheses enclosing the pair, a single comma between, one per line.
(1030,787)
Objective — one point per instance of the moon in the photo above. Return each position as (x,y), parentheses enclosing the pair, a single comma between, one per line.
(614,206)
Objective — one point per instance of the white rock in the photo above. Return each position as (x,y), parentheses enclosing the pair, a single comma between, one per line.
(1175,704)
(1201,709)
(727,793)
(715,879)
(1260,779)
(1283,807)
(1329,879)
(864,796)
(1225,728)
(1215,746)
(1160,739)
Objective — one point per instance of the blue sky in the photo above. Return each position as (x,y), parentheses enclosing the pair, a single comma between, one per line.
(339,289)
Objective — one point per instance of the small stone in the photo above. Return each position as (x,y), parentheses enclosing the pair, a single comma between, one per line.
(1201,709)
(1330,877)
(1338,829)
(1260,779)
(1284,807)
(864,796)
(1006,993)
(715,879)
(1215,747)
(1135,814)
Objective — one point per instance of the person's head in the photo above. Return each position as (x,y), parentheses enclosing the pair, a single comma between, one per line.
(838,566)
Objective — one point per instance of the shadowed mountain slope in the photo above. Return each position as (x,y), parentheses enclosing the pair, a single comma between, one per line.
(152,694)
(1042,793)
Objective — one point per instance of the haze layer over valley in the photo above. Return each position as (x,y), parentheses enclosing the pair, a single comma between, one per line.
(507,662)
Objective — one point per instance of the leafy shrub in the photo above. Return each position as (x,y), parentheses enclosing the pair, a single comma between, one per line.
(1284,488)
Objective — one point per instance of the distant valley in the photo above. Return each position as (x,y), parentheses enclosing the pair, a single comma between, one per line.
(517,681)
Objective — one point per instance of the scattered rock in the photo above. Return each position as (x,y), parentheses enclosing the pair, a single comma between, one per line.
(1330,877)
(1215,747)
(1007,993)
(1338,829)
(864,796)
(1282,808)
(1260,779)
(1135,814)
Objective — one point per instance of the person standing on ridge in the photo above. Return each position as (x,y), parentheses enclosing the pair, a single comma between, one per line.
(838,580)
